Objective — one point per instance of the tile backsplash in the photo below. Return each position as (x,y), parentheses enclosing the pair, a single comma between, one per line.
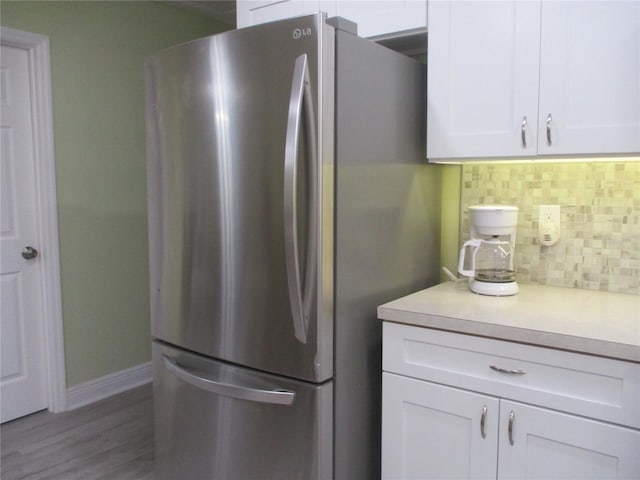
(599,246)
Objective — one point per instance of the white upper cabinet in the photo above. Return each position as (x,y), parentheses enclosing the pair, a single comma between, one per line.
(482,78)
(590,77)
(374,18)
(253,12)
(513,78)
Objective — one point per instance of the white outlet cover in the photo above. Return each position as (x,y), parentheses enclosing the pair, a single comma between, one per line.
(549,224)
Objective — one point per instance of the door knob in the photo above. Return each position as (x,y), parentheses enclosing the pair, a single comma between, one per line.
(29,253)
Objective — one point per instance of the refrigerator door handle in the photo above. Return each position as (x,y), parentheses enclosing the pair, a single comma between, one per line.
(276,396)
(299,101)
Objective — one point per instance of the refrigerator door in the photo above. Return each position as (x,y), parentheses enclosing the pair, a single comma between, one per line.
(234,197)
(218,421)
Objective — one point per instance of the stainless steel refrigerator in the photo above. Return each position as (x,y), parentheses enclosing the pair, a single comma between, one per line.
(288,197)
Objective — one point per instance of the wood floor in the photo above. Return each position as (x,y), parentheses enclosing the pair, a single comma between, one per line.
(109,440)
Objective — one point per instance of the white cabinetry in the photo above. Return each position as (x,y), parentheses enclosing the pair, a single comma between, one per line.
(374,18)
(549,444)
(458,406)
(384,18)
(511,78)
(253,12)
(433,431)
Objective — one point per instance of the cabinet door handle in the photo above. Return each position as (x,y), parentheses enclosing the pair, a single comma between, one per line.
(483,419)
(507,370)
(512,416)
(523,132)
(549,122)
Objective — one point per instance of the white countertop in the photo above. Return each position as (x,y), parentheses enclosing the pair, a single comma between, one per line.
(598,323)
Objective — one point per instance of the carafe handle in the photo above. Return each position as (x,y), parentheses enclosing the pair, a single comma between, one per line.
(475,243)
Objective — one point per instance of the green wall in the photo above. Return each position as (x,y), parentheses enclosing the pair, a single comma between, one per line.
(97,55)
(450,219)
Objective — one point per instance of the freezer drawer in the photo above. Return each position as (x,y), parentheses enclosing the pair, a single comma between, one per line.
(219,421)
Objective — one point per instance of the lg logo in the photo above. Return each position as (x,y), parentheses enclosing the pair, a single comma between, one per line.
(301,32)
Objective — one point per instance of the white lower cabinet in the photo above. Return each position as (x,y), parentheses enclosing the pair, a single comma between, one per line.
(554,445)
(435,427)
(433,431)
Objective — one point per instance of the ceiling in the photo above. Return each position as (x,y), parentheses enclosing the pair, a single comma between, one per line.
(222,10)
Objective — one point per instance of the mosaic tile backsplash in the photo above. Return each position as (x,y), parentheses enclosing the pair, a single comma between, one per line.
(599,246)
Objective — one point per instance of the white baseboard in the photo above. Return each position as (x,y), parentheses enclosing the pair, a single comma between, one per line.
(103,387)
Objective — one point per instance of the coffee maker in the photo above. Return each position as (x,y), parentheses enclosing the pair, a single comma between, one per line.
(492,243)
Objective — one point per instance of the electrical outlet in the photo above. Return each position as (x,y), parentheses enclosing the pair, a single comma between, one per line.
(549,224)
(550,213)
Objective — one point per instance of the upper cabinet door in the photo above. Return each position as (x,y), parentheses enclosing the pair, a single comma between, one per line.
(590,77)
(374,18)
(384,17)
(512,78)
(253,12)
(482,78)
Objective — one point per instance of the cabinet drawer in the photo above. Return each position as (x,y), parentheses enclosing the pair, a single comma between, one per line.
(595,387)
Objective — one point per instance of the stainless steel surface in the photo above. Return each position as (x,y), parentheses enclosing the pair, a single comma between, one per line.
(202,435)
(508,370)
(483,420)
(217,111)
(523,132)
(278,396)
(224,186)
(387,233)
(29,253)
(549,122)
(341,23)
(300,300)
(512,417)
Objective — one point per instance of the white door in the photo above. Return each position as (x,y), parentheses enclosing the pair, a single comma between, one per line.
(23,380)
(482,87)
(590,77)
(551,445)
(431,431)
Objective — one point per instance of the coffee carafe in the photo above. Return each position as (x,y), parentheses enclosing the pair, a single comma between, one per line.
(493,229)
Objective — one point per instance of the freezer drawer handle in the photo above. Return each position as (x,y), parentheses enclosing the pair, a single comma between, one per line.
(277,396)
(300,293)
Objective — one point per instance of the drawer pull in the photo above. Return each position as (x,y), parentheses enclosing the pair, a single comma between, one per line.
(483,419)
(507,370)
(512,416)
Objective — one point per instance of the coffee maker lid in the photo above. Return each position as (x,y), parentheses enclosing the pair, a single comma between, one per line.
(493,219)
